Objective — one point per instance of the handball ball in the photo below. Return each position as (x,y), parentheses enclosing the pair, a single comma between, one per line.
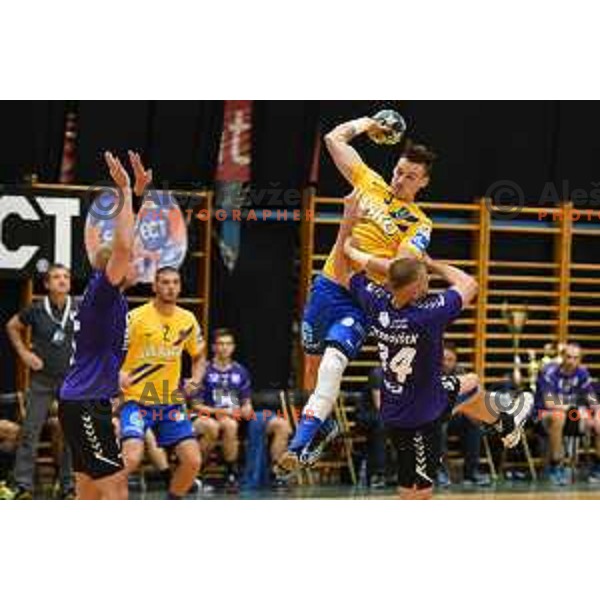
(395,123)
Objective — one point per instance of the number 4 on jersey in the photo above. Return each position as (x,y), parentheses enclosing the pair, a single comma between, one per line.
(400,364)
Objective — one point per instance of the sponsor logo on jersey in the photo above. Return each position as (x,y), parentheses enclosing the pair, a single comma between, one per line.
(422,238)
(378,215)
(160,351)
(384,319)
(432,302)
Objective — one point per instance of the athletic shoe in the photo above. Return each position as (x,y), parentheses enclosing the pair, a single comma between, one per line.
(594,476)
(311,453)
(566,476)
(288,465)
(137,484)
(5,492)
(442,479)
(477,479)
(296,459)
(377,482)
(66,494)
(200,488)
(511,422)
(280,484)
(231,483)
(555,475)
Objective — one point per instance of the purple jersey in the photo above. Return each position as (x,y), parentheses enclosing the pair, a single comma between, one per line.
(410,343)
(226,388)
(564,388)
(100,332)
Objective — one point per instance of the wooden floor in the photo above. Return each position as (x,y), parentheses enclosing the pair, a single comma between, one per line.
(510,491)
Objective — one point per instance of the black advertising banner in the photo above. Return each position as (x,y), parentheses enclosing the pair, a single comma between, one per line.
(41,225)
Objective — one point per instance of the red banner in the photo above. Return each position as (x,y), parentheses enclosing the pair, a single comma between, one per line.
(236,140)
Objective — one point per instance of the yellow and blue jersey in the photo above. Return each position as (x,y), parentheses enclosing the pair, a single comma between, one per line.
(388,225)
(155,343)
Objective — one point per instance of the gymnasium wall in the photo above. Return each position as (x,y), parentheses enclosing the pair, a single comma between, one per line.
(478,143)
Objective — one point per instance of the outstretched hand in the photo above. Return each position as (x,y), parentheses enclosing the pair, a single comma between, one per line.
(117,171)
(143,176)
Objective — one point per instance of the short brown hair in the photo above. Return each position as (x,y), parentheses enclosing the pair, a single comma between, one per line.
(221,333)
(419,154)
(55,267)
(451,347)
(404,271)
(165,270)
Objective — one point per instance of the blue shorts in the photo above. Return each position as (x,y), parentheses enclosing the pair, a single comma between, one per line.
(171,424)
(332,318)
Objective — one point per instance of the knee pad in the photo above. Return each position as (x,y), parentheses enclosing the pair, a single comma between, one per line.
(329,379)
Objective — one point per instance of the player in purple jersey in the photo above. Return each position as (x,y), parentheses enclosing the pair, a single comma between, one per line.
(225,398)
(93,378)
(408,325)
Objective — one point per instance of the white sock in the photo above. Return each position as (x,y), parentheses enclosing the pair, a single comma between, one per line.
(329,379)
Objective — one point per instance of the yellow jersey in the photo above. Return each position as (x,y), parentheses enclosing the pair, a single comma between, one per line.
(154,344)
(388,225)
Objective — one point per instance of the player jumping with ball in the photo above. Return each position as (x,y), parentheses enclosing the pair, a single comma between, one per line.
(334,325)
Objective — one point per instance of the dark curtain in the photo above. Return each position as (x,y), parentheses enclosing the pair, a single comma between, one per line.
(179,139)
(31,136)
(257,301)
(478,143)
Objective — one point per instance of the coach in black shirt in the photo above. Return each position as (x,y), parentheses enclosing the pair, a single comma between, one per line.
(51,322)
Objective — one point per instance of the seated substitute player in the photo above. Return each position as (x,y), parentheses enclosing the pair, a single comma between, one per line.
(567,401)
(225,397)
(334,325)
(85,408)
(157,334)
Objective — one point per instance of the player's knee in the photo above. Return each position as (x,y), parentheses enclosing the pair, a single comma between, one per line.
(229,427)
(191,458)
(469,383)
(279,427)
(333,363)
(133,453)
(208,429)
(556,420)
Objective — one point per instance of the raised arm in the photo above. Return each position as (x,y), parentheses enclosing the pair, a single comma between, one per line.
(118,264)
(352,214)
(462,282)
(143,176)
(345,157)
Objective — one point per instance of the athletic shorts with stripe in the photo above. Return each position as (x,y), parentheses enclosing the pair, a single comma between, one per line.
(88,429)
(418,454)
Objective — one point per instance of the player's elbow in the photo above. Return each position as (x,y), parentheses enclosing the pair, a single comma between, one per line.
(469,289)
(332,137)
(12,326)
(329,139)
(472,287)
